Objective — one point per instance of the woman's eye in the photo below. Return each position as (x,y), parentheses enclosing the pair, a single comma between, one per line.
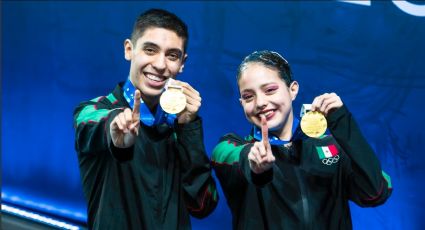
(247,97)
(271,89)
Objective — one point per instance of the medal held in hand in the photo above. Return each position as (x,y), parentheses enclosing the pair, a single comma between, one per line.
(173,100)
(313,123)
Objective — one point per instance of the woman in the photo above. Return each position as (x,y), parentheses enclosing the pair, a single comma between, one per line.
(277,177)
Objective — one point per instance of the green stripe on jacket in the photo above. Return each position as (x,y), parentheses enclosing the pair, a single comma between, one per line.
(90,113)
(388,179)
(226,153)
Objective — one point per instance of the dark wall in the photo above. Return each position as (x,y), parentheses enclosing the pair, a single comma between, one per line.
(57,54)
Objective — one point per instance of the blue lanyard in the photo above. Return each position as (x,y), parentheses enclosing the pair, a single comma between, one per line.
(297,134)
(146,116)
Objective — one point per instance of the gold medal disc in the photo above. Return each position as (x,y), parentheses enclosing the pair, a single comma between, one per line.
(172,101)
(313,124)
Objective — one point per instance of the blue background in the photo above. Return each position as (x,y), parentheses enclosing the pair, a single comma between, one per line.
(57,54)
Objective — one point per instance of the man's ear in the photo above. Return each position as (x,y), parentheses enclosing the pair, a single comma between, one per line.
(183,62)
(293,89)
(128,49)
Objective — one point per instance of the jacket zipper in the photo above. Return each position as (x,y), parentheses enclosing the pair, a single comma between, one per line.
(306,219)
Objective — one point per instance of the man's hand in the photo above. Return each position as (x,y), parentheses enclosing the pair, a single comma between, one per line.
(326,103)
(125,126)
(260,156)
(193,103)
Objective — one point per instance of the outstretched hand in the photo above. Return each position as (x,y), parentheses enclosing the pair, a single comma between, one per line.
(125,126)
(260,156)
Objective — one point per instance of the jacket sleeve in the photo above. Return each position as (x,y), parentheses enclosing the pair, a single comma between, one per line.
(199,187)
(226,162)
(91,123)
(367,184)
(230,162)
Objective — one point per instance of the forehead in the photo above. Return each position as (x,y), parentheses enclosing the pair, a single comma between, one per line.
(164,38)
(255,75)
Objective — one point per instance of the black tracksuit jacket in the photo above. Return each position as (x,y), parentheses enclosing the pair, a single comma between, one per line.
(155,184)
(302,191)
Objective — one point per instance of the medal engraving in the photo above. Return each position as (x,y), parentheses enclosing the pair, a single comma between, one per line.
(173,100)
(313,124)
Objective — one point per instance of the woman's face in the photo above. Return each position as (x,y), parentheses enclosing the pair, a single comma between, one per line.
(264,93)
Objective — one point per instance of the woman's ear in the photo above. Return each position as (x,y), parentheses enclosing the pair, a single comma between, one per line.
(128,49)
(293,89)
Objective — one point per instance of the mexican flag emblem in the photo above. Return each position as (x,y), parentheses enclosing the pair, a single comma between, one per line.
(327,151)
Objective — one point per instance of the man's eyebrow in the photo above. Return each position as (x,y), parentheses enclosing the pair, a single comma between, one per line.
(150,44)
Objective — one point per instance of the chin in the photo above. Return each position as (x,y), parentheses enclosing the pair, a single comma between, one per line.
(274,126)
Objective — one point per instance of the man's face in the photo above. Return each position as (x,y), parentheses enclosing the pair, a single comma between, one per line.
(263,92)
(156,56)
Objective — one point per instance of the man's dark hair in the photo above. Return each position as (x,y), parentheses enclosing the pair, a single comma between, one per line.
(159,19)
(269,59)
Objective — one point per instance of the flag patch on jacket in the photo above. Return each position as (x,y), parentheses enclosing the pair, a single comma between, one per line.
(326,151)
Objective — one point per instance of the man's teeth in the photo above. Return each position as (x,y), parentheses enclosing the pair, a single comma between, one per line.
(154,78)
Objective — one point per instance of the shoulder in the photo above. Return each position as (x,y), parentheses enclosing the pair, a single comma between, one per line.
(110,101)
(232,137)
(97,108)
(227,151)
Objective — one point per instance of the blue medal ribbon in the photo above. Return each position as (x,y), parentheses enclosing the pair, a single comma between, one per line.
(146,117)
(297,134)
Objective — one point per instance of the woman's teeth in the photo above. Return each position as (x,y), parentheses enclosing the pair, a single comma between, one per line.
(267,113)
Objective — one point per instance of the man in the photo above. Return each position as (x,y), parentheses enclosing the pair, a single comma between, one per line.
(278,178)
(141,167)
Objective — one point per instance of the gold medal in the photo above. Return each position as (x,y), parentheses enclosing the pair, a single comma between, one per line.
(173,100)
(313,124)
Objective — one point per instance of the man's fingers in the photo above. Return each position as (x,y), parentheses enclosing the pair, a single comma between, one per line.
(115,124)
(122,123)
(134,127)
(136,107)
(187,88)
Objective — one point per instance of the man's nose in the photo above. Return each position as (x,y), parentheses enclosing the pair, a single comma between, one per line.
(159,63)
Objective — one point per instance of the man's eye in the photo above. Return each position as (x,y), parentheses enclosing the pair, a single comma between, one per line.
(173,57)
(149,50)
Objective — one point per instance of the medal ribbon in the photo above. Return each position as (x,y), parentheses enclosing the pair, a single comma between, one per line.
(146,116)
(297,134)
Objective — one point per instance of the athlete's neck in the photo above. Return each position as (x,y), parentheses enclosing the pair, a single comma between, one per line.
(285,133)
